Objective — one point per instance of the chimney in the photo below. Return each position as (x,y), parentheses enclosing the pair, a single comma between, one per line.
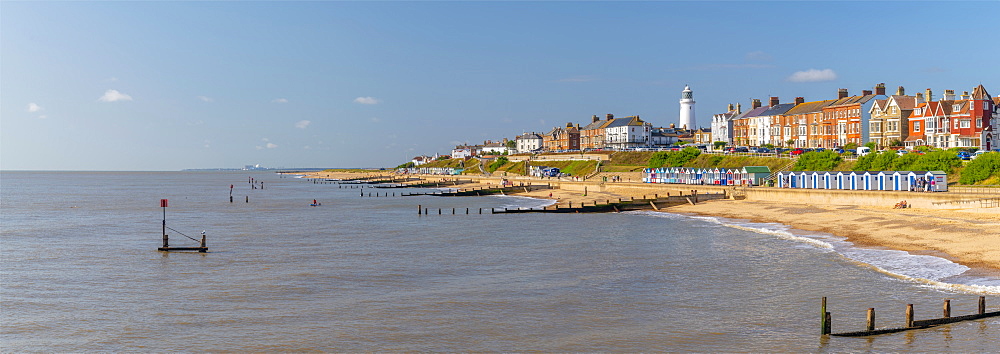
(569,124)
(965,95)
(594,119)
(610,116)
(866,92)
(841,93)
(949,95)
(755,104)
(880,89)
(928,95)
(800,100)
(774,102)
(739,108)
(920,98)
(900,91)
(730,108)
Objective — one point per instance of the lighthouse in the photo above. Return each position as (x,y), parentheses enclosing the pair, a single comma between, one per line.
(687,109)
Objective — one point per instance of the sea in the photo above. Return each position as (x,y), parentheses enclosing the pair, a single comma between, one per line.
(80,272)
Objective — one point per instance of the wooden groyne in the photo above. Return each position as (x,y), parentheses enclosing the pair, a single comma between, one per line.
(656,203)
(909,324)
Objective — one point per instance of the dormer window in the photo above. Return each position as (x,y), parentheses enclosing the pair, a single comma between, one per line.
(956,107)
(916,110)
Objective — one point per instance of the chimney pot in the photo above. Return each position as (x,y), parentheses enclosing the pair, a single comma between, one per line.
(755,103)
(900,91)
(841,93)
(610,116)
(866,93)
(730,108)
(880,89)
(800,100)
(774,102)
(928,95)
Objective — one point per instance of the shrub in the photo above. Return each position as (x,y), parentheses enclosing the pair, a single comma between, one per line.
(407,165)
(719,145)
(983,167)
(817,161)
(500,161)
(673,158)
(882,161)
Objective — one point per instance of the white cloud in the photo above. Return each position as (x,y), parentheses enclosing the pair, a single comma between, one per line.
(813,75)
(366,100)
(206,99)
(271,145)
(32,107)
(302,124)
(114,96)
(279,100)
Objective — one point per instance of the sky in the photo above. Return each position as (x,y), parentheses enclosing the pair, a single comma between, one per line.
(165,86)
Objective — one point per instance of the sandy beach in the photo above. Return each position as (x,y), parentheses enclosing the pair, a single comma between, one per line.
(967,236)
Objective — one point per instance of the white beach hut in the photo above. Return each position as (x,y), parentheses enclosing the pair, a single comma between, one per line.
(869,179)
(940,181)
(840,178)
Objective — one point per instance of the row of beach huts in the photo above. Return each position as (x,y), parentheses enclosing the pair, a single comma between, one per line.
(917,181)
(749,175)
(913,181)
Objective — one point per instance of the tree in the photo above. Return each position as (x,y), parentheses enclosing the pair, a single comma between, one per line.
(769,146)
(512,145)
(851,147)
(407,165)
(790,142)
(719,145)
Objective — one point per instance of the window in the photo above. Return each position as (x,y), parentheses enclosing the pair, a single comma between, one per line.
(965,124)
(916,127)
(979,123)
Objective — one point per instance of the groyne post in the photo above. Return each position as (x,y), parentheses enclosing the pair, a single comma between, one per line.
(824,317)
(946,310)
(982,305)
(419,209)
(871,319)
(909,315)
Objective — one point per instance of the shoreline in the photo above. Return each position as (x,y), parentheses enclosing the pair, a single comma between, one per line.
(970,236)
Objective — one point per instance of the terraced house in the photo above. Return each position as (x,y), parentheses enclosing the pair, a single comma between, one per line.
(966,121)
(890,117)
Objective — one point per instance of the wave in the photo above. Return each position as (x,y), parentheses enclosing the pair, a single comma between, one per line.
(930,271)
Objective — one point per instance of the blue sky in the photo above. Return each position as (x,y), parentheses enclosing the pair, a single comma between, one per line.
(175,85)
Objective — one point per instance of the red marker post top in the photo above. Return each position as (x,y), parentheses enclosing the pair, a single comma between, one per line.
(163,203)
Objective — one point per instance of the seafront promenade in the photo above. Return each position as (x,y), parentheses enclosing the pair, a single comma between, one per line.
(966,234)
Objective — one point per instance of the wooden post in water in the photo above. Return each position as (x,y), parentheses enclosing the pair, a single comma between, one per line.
(204,244)
(871,319)
(822,318)
(452,211)
(909,315)
(419,209)
(947,308)
(982,305)
(439,211)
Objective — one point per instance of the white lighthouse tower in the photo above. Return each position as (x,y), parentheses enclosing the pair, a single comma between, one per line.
(687,109)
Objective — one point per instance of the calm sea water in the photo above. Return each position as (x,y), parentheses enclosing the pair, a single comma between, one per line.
(79,271)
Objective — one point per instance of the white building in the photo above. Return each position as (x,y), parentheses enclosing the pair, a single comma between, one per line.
(495,148)
(628,132)
(528,142)
(687,120)
(722,124)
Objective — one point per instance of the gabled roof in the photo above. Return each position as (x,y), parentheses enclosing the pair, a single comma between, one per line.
(778,109)
(626,121)
(905,103)
(854,100)
(979,93)
(809,107)
(528,136)
(753,113)
(593,125)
